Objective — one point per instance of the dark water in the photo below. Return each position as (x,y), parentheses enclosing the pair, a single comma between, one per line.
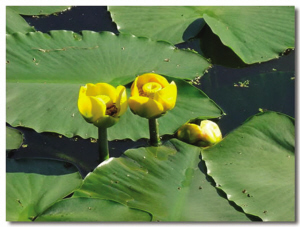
(271,87)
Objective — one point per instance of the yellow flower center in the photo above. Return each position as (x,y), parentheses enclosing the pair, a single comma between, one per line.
(151,88)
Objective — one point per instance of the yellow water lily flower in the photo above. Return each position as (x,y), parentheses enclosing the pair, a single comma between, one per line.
(205,134)
(152,95)
(102,104)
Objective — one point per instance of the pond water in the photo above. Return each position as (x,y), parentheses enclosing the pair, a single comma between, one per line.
(241,91)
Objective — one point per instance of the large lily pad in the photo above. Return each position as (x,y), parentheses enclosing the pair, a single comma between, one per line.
(167,181)
(169,23)
(45,72)
(32,186)
(91,210)
(16,23)
(255,166)
(37,10)
(254,33)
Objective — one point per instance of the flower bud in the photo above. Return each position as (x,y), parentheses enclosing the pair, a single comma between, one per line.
(207,134)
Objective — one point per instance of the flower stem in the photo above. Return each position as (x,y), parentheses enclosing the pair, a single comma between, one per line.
(103,144)
(153,130)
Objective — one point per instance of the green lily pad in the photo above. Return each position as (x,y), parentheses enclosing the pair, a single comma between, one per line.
(38,10)
(254,33)
(166,181)
(45,72)
(16,23)
(91,210)
(14,138)
(255,166)
(32,186)
(170,23)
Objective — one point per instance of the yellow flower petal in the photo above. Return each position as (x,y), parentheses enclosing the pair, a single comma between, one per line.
(82,91)
(91,108)
(121,102)
(85,108)
(106,99)
(106,89)
(189,133)
(91,90)
(151,77)
(134,88)
(210,132)
(167,96)
(98,108)
(145,107)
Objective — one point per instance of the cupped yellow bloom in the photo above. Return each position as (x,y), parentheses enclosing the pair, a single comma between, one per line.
(207,134)
(102,104)
(152,95)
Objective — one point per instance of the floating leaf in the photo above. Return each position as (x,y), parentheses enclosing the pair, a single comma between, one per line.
(14,138)
(34,185)
(254,33)
(37,10)
(91,210)
(45,72)
(166,181)
(16,23)
(255,166)
(170,23)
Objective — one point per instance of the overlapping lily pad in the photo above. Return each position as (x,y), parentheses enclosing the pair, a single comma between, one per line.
(168,181)
(37,10)
(254,33)
(92,210)
(32,186)
(14,138)
(157,22)
(16,23)
(255,166)
(44,73)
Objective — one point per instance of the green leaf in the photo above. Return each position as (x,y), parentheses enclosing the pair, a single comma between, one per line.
(91,210)
(170,23)
(218,53)
(254,33)
(67,57)
(14,138)
(45,72)
(255,166)
(16,23)
(166,181)
(38,10)
(34,185)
